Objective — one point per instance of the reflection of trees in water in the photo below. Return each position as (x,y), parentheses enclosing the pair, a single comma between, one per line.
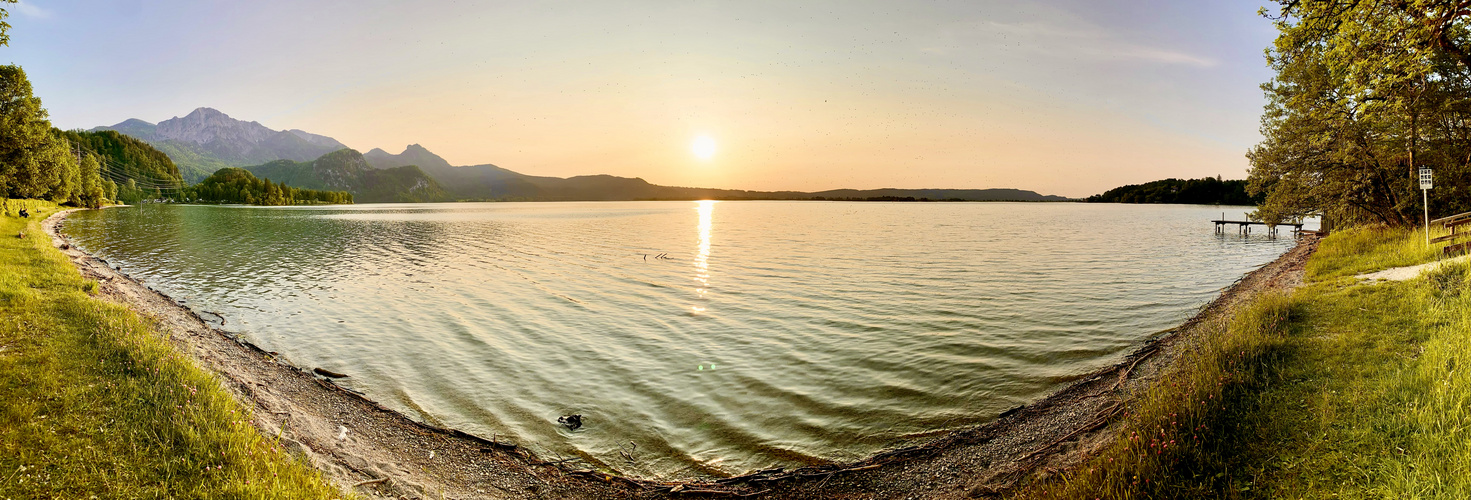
(216,243)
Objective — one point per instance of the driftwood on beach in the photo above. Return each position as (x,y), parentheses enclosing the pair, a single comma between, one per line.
(328,373)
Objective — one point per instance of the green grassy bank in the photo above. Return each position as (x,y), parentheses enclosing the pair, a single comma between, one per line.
(1340,390)
(97,403)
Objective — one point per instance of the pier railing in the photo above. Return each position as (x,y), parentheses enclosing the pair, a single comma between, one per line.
(1459,228)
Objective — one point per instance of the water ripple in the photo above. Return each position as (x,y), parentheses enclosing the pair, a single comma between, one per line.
(774,333)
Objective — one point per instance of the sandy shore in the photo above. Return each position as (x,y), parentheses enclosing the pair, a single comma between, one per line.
(377,452)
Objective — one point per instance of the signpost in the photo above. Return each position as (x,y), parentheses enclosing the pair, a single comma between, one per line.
(1425,185)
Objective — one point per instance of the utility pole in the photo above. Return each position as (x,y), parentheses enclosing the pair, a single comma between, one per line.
(1425,185)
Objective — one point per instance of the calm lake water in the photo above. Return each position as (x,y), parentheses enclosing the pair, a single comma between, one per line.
(720,337)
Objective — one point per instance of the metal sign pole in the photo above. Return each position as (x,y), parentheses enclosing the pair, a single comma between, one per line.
(1425,185)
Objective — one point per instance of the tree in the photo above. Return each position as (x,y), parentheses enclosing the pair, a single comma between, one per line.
(129,192)
(68,183)
(32,159)
(92,191)
(1366,92)
(4,26)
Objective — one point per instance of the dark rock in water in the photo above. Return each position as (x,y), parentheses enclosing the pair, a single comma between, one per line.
(1010,412)
(571,421)
(328,373)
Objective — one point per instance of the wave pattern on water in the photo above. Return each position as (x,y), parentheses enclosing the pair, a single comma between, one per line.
(774,333)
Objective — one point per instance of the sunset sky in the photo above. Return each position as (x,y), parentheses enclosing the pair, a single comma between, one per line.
(1060,97)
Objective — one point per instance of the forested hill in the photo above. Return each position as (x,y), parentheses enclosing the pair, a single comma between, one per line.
(237,185)
(1204,191)
(346,170)
(125,158)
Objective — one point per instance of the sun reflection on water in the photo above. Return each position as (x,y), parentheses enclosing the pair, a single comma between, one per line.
(702,257)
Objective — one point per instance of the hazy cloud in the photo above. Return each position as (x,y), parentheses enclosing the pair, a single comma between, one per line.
(1050,40)
(28,10)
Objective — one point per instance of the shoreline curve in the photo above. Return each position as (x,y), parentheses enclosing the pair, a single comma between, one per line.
(386,454)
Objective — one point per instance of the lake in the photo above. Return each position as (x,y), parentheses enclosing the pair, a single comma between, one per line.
(719,337)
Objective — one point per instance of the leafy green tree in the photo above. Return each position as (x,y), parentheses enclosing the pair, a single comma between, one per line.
(1366,91)
(4,26)
(92,192)
(68,183)
(128,192)
(32,160)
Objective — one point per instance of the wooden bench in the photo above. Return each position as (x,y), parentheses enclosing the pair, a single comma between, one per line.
(1459,226)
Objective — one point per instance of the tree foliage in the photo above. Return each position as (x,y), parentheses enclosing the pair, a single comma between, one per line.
(127,157)
(35,160)
(237,185)
(1204,191)
(4,26)
(1365,92)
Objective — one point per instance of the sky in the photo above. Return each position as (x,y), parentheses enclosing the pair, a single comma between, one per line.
(1065,97)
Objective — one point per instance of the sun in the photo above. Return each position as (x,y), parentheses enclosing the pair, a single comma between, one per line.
(703,147)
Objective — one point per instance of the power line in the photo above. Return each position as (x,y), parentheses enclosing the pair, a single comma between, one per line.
(121,174)
(121,168)
(117,173)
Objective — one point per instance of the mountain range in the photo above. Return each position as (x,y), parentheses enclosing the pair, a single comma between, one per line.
(207,140)
(346,170)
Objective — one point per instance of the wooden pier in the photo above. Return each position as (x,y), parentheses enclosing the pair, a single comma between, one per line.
(1243,227)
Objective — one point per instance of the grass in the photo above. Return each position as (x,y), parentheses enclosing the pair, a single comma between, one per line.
(98,403)
(1341,390)
(1363,250)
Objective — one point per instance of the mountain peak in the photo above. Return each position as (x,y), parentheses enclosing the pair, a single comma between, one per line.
(316,140)
(205,113)
(132,122)
(413,154)
(204,125)
(206,138)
